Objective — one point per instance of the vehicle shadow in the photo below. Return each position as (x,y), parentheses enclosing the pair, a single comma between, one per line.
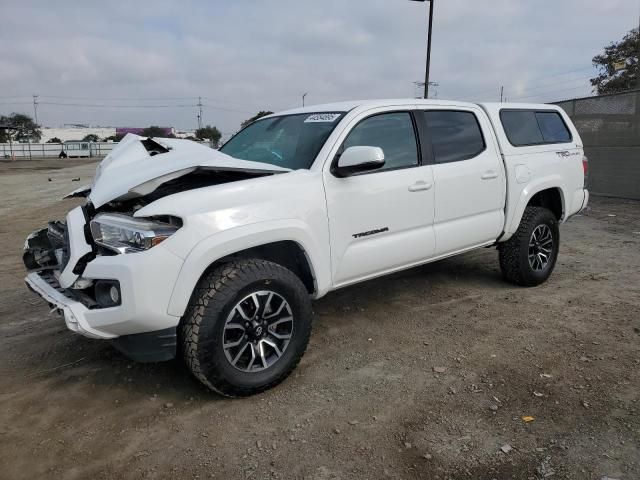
(477,270)
(60,358)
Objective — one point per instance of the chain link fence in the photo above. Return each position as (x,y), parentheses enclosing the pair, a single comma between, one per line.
(610,129)
(34,151)
(18,150)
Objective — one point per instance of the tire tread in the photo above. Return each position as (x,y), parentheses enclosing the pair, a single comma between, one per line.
(218,287)
(510,251)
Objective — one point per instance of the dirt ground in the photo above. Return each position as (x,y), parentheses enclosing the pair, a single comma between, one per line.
(423,374)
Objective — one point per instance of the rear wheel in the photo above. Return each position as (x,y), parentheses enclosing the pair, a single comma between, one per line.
(246,328)
(529,256)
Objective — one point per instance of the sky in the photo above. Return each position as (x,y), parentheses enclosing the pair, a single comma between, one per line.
(137,63)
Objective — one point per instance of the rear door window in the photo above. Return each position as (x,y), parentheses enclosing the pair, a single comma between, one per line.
(454,135)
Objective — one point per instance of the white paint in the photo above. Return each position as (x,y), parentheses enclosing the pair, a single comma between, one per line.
(78,246)
(129,165)
(360,155)
(351,229)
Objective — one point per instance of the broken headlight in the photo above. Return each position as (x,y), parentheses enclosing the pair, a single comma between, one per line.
(124,234)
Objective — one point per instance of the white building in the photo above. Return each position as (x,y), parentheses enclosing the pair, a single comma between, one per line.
(78,133)
(75,133)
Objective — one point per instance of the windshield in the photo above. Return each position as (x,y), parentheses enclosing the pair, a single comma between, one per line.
(289,141)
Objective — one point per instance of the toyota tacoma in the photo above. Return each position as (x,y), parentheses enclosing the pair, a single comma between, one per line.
(215,256)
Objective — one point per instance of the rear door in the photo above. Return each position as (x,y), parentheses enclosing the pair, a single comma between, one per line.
(469,178)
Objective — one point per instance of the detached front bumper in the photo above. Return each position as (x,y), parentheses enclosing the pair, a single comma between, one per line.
(139,325)
(73,311)
(151,346)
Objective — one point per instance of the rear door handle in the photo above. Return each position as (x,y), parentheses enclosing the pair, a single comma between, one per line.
(489,174)
(420,186)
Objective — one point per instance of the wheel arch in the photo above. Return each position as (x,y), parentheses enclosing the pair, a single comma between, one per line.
(549,193)
(287,253)
(291,246)
(551,199)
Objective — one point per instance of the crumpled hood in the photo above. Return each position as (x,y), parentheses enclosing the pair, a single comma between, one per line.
(131,169)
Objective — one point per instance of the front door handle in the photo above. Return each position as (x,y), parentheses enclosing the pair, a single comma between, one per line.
(489,174)
(420,186)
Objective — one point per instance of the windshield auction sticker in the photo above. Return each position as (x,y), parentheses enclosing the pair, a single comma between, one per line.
(322,117)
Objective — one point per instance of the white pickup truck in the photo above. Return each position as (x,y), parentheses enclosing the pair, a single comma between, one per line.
(216,255)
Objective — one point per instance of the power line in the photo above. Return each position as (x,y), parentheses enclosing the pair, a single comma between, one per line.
(142,99)
(520,93)
(104,105)
(546,77)
(550,92)
(16,96)
(139,99)
(199,105)
(561,74)
(225,109)
(15,103)
(219,100)
(537,87)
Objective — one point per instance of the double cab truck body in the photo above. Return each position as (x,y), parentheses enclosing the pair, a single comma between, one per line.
(216,255)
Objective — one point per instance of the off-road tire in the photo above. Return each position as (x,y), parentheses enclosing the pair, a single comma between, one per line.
(202,326)
(514,261)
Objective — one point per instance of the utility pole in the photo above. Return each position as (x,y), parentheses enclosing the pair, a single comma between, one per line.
(501,93)
(426,70)
(199,112)
(35,108)
(304,95)
(638,62)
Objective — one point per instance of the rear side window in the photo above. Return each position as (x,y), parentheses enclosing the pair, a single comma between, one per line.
(553,128)
(530,127)
(455,136)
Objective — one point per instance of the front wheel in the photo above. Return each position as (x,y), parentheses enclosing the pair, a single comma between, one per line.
(529,256)
(247,326)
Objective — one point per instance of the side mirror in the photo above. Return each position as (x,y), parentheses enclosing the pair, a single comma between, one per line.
(358,159)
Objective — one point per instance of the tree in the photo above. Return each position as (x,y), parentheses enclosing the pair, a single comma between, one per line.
(260,114)
(92,137)
(113,138)
(54,140)
(618,65)
(154,131)
(26,128)
(209,133)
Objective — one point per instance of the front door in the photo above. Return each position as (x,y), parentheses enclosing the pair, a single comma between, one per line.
(381,220)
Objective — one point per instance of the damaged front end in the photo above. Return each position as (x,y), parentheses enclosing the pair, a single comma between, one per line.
(99,267)
(46,248)
(52,256)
